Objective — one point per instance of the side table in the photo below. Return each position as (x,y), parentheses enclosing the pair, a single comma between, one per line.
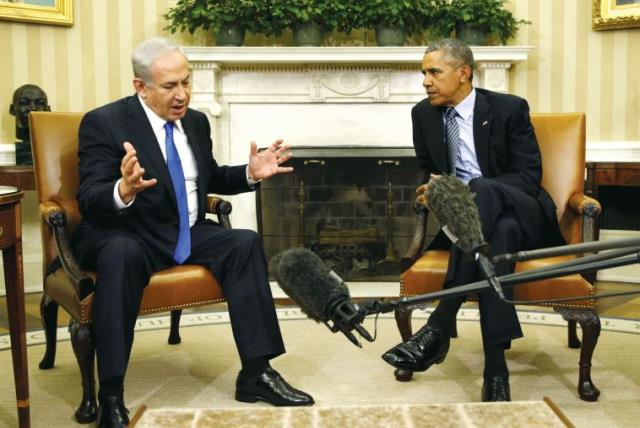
(11,246)
(20,176)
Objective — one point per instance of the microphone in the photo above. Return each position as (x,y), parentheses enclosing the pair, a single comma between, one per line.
(452,203)
(321,294)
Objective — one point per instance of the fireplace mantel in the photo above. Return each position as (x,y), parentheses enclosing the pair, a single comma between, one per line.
(315,96)
(343,55)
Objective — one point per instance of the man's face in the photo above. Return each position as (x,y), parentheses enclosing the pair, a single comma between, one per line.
(169,91)
(27,100)
(446,83)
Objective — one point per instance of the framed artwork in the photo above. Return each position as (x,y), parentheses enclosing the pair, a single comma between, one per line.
(54,12)
(614,14)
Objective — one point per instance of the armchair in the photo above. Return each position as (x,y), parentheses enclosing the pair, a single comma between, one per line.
(562,144)
(54,137)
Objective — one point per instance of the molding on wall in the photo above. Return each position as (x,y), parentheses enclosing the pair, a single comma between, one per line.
(613,151)
(630,273)
(7,154)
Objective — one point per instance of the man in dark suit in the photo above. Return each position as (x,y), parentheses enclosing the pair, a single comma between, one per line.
(146,166)
(485,139)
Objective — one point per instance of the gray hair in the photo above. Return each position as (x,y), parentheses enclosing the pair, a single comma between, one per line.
(454,50)
(147,52)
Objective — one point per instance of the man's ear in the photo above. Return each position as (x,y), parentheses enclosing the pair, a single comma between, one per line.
(12,111)
(465,73)
(140,87)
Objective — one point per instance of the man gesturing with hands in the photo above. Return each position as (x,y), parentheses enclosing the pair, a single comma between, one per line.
(146,167)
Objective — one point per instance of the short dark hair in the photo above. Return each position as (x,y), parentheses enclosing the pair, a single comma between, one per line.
(455,51)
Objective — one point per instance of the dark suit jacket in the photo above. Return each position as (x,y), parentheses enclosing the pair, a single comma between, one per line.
(505,143)
(153,217)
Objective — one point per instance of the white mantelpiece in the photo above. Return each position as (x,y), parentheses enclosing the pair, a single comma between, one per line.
(318,96)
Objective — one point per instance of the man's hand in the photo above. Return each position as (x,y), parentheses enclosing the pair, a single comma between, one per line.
(132,182)
(267,162)
(421,192)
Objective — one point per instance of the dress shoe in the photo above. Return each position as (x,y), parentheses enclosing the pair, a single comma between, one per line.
(496,388)
(269,386)
(112,413)
(427,347)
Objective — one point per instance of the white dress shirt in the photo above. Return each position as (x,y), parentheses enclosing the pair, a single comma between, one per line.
(467,166)
(189,166)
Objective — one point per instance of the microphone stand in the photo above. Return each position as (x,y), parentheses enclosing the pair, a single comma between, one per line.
(616,258)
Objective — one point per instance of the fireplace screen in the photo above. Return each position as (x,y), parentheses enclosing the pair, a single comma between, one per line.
(351,206)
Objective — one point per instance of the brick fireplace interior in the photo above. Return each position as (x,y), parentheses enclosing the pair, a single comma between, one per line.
(353,206)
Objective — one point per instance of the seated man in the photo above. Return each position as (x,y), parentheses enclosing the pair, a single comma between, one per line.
(146,166)
(486,139)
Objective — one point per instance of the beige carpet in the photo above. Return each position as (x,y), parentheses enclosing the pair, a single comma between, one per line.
(200,372)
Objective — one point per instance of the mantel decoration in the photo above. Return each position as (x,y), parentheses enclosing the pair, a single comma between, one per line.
(476,21)
(228,18)
(615,14)
(309,20)
(393,20)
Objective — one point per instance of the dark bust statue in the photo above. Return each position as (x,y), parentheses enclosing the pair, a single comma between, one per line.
(26,98)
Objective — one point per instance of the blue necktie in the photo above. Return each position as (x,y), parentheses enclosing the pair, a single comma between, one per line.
(183,248)
(453,138)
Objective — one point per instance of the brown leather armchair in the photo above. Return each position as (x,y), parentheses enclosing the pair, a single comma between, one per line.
(562,143)
(54,137)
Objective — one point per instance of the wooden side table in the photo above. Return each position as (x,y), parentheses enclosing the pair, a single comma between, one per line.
(611,174)
(11,246)
(20,176)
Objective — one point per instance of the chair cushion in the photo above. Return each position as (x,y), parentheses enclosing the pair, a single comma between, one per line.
(175,288)
(427,274)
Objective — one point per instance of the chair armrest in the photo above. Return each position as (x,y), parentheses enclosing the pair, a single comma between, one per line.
(221,208)
(417,243)
(584,205)
(53,215)
(589,209)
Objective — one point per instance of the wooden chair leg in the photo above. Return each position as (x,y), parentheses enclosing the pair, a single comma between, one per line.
(590,325)
(453,333)
(174,333)
(572,335)
(85,352)
(403,320)
(49,318)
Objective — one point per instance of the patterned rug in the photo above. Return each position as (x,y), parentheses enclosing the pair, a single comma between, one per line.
(200,372)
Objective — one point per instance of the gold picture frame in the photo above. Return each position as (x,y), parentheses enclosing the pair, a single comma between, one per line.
(59,12)
(615,14)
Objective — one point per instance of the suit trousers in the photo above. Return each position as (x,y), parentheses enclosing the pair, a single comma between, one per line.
(511,221)
(123,267)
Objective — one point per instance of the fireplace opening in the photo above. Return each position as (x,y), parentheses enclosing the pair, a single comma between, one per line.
(353,206)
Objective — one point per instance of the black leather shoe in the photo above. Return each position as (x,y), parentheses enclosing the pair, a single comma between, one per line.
(427,347)
(269,386)
(496,388)
(112,413)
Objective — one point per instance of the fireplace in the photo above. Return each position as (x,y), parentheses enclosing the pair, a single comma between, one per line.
(353,206)
(315,98)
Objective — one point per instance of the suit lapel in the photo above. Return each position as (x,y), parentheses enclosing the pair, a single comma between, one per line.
(147,145)
(435,128)
(482,118)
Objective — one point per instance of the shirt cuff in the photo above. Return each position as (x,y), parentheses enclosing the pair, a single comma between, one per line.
(250,182)
(117,200)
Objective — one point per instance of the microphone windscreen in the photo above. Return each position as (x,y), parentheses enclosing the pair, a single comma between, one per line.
(452,203)
(306,279)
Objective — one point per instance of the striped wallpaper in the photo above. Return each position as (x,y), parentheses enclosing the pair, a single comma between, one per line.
(572,67)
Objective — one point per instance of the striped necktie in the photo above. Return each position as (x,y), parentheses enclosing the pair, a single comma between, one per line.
(453,138)
(183,247)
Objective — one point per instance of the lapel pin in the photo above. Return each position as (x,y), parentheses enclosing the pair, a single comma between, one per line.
(485,122)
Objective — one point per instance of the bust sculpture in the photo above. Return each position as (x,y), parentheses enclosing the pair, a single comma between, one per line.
(26,98)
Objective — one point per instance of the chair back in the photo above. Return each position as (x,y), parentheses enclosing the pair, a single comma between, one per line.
(54,141)
(562,141)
